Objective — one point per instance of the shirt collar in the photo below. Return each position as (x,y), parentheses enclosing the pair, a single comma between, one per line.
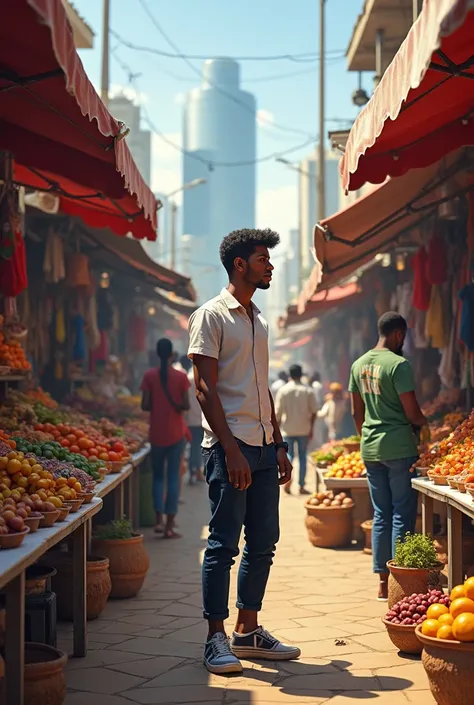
(232,303)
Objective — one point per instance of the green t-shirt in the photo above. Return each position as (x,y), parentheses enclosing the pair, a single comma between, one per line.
(380,376)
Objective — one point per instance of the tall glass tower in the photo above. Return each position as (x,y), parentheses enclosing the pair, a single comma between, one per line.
(219,125)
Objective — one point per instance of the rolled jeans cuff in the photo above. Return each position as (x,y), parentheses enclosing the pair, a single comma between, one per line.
(250,608)
(216,617)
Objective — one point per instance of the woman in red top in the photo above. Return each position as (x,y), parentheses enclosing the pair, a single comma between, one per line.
(165,396)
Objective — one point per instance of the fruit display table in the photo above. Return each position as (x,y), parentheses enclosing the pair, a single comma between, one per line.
(457,504)
(13,564)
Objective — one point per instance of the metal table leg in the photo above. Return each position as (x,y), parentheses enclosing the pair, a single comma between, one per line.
(426,514)
(15,640)
(129,507)
(455,571)
(79,590)
(136,497)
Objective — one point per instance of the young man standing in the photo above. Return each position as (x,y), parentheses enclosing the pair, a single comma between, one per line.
(244,454)
(387,415)
(296,408)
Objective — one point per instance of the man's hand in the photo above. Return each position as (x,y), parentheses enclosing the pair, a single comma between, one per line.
(238,469)
(284,466)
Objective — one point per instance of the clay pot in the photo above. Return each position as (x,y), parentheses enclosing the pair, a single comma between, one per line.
(36,577)
(129,563)
(366,527)
(448,665)
(403,636)
(98,585)
(329,527)
(45,683)
(403,582)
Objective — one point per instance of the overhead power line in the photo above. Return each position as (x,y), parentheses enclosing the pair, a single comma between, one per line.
(309,57)
(211,165)
(230,96)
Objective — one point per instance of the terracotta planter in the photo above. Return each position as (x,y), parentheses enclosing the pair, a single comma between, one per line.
(329,527)
(129,563)
(36,577)
(98,585)
(448,665)
(366,527)
(45,683)
(403,582)
(403,637)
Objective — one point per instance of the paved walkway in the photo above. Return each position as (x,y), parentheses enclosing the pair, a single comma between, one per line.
(148,650)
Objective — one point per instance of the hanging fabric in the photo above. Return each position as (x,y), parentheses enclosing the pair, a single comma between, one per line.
(53,263)
(421,285)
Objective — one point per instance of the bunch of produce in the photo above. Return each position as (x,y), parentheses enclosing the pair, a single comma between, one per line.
(351,439)
(347,466)
(12,354)
(415,551)
(417,608)
(452,455)
(51,451)
(13,515)
(329,499)
(446,401)
(43,398)
(325,458)
(456,620)
(86,441)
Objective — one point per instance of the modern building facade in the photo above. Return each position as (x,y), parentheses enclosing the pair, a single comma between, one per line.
(308,201)
(139,141)
(219,141)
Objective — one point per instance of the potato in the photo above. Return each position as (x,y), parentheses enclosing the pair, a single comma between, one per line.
(16,524)
(327,502)
(347,502)
(48,507)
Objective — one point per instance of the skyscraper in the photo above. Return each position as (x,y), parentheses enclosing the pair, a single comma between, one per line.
(219,126)
(139,141)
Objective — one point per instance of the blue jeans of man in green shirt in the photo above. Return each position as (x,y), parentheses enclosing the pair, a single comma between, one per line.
(395,506)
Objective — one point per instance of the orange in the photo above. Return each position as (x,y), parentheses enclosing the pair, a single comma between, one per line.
(445,632)
(463,627)
(430,627)
(446,619)
(462,604)
(435,611)
(458,591)
(469,588)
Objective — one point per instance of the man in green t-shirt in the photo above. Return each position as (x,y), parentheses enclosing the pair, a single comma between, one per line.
(387,416)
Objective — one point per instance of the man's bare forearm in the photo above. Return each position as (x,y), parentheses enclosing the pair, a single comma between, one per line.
(213,411)
(277,437)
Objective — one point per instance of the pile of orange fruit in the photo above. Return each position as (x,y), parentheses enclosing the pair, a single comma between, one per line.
(455,622)
(12,354)
(346,466)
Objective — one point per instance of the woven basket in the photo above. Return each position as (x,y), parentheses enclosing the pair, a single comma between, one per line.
(448,665)
(403,582)
(329,527)
(403,637)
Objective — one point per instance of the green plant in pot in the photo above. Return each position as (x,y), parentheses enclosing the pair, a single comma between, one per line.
(128,558)
(415,567)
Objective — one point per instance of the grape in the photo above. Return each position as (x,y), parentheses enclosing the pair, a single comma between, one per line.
(416,617)
(421,609)
(404,614)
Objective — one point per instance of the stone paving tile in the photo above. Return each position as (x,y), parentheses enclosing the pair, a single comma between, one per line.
(148,650)
(101,680)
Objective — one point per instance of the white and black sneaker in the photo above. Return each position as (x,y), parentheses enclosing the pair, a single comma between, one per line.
(218,656)
(260,644)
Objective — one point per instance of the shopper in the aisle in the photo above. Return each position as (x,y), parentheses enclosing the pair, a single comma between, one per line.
(387,415)
(295,408)
(281,380)
(165,395)
(245,456)
(333,411)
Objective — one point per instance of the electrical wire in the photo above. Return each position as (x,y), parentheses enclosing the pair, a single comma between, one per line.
(211,165)
(230,96)
(309,57)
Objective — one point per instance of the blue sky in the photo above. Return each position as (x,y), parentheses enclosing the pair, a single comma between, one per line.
(221,27)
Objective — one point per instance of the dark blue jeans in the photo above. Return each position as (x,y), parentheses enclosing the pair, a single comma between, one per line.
(395,505)
(256,509)
(301,443)
(166,462)
(195,451)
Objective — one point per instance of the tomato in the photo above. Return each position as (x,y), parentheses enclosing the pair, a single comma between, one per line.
(83,443)
(80,433)
(64,442)
(93,451)
(85,453)
(104,456)
(90,444)
(114,457)
(118,447)
(56,434)
(74,449)
(71,438)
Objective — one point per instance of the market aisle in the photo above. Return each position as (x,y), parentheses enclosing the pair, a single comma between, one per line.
(148,650)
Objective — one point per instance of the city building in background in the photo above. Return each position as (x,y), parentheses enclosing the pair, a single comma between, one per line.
(82,32)
(308,201)
(138,140)
(219,126)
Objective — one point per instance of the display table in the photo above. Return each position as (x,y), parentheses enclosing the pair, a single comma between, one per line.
(13,564)
(457,503)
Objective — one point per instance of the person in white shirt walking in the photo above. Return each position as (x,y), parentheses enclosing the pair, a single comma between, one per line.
(296,410)
(281,380)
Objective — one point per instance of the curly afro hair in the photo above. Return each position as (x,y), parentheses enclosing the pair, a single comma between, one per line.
(242,243)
